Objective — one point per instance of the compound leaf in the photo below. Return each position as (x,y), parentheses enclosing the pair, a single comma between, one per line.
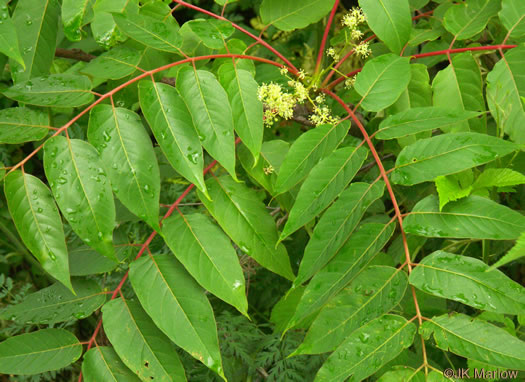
(245,219)
(324,183)
(376,291)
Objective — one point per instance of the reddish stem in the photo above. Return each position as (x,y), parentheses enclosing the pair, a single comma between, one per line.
(139,77)
(241,29)
(381,170)
(325,36)
(436,53)
(333,71)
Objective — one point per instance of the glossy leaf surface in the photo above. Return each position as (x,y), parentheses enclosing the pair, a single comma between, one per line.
(472,217)
(306,152)
(206,252)
(21,124)
(126,150)
(390,20)
(467,281)
(38,352)
(178,306)
(325,182)
(56,303)
(335,226)
(139,343)
(63,90)
(476,339)
(101,363)
(368,348)
(38,222)
(287,15)
(211,114)
(382,81)
(373,293)
(447,154)
(359,250)
(82,191)
(246,221)
(173,126)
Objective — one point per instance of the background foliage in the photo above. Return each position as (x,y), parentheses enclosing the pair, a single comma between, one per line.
(265,190)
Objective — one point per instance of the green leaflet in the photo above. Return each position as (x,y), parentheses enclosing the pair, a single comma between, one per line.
(74,15)
(460,86)
(453,187)
(390,20)
(474,217)
(272,154)
(105,31)
(467,281)
(38,352)
(253,229)
(367,349)
(178,306)
(505,87)
(325,182)
(498,177)
(119,62)
(467,19)
(212,32)
(21,124)
(211,113)
(476,339)
(150,31)
(382,80)
(288,15)
(447,154)
(405,373)
(418,94)
(306,152)
(516,252)
(246,108)
(173,127)
(82,191)
(36,25)
(512,17)
(419,119)
(359,250)
(126,149)
(59,90)
(8,35)
(139,343)
(101,363)
(38,222)
(335,226)
(206,252)
(373,293)
(56,303)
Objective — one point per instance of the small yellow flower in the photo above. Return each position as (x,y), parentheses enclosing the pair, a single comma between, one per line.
(330,52)
(301,75)
(284,71)
(356,34)
(350,82)
(362,50)
(268,170)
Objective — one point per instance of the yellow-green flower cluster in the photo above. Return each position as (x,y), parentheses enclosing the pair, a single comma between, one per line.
(322,114)
(278,103)
(353,19)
